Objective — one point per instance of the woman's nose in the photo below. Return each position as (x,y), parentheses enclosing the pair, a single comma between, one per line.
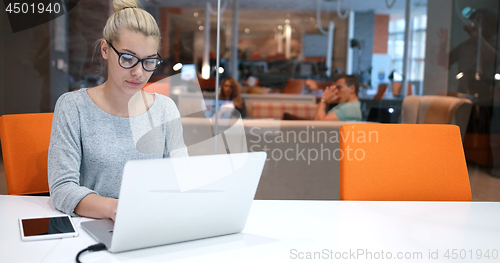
(137,71)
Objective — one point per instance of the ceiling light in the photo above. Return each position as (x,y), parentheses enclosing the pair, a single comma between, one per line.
(247,30)
(221,70)
(287,21)
(280,27)
(460,75)
(195,14)
(497,76)
(201,28)
(177,66)
(198,22)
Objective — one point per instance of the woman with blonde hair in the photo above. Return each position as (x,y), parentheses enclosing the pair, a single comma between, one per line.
(230,90)
(95,131)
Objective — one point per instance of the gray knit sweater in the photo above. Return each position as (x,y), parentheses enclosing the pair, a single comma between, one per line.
(89,147)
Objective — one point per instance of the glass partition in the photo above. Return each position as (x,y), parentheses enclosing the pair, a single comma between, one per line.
(416,61)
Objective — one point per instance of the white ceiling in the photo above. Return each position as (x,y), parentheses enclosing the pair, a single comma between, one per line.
(379,6)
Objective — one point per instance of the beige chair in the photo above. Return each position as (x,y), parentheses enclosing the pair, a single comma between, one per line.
(436,110)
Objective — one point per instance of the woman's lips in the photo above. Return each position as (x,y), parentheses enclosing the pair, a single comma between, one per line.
(134,83)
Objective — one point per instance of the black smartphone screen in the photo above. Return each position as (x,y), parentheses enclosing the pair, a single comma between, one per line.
(47,226)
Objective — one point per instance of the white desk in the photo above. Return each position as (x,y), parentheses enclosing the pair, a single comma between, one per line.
(275,228)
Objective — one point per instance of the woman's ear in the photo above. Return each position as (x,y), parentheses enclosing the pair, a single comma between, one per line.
(104,49)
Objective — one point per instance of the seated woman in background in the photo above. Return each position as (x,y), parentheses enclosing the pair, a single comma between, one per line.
(230,90)
(95,131)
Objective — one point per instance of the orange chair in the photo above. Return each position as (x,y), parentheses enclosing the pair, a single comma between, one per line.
(380,92)
(294,86)
(207,83)
(323,84)
(158,87)
(396,88)
(402,162)
(25,143)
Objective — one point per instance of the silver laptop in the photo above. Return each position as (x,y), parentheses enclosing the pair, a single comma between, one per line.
(166,201)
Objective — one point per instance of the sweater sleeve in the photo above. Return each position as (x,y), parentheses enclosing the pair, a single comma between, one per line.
(65,154)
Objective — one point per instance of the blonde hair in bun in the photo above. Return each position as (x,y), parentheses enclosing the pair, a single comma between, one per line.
(128,15)
(119,5)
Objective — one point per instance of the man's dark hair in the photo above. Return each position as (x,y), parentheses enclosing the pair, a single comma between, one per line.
(350,80)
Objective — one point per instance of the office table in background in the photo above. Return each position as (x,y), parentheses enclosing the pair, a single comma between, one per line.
(285,231)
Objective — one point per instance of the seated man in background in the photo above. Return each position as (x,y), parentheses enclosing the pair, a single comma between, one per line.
(345,93)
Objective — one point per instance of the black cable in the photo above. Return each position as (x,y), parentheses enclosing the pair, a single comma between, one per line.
(96,247)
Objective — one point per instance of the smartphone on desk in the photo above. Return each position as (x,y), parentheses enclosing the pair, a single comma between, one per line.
(53,227)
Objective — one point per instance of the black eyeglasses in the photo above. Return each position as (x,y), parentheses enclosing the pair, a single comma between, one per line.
(128,61)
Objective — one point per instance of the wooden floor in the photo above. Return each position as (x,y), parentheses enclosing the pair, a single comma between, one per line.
(484,187)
